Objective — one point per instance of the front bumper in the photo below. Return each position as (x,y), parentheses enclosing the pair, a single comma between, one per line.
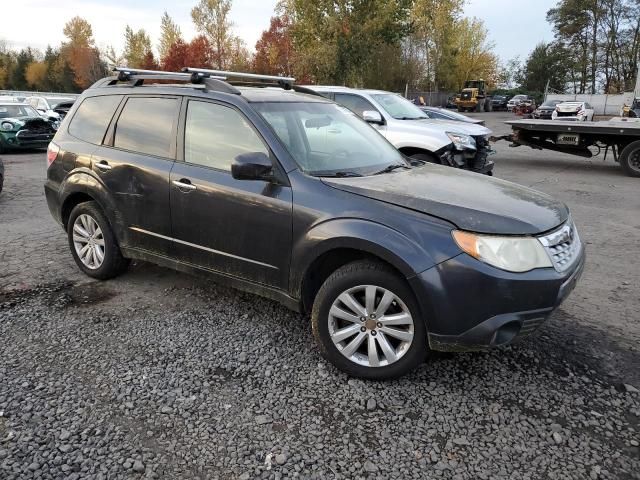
(26,139)
(469,305)
(474,160)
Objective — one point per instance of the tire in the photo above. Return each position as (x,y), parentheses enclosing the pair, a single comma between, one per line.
(112,263)
(630,159)
(358,278)
(426,157)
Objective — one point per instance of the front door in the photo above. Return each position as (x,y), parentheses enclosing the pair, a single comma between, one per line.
(236,227)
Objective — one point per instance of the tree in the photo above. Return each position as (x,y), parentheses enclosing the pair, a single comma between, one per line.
(80,53)
(137,47)
(274,49)
(79,32)
(18,79)
(546,63)
(211,18)
(169,34)
(474,57)
(432,42)
(337,41)
(36,75)
(196,53)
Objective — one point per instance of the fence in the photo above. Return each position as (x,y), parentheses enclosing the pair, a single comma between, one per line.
(603,104)
(432,99)
(21,93)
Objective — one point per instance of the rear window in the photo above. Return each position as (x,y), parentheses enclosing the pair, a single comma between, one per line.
(92,118)
(146,125)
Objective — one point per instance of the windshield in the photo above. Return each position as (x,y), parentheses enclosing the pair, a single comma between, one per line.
(17,111)
(447,115)
(398,107)
(551,103)
(326,139)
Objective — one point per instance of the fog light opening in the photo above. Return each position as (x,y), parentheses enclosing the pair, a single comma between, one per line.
(506,333)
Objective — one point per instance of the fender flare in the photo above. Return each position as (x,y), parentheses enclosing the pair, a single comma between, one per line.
(405,255)
(85,182)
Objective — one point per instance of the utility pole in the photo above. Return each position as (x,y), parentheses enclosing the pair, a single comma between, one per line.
(636,93)
(546,90)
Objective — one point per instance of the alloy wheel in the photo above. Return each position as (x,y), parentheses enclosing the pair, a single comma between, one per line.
(88,241)
(371,326)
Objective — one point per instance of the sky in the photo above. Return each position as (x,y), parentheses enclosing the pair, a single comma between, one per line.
(515,26)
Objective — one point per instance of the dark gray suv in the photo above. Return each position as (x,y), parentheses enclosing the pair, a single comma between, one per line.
(295,198)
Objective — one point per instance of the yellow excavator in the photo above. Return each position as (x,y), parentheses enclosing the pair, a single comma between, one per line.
(473,97)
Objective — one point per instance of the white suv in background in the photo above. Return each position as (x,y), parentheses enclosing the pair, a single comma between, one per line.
(456,144)
(45,105)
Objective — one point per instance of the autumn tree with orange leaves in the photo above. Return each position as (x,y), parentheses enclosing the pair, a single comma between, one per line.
(274,49)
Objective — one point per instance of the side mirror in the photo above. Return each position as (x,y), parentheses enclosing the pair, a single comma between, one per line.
(252,166)
(371,116)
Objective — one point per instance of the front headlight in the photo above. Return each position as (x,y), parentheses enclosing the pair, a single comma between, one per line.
(513,254)
(461,140)
(6,126)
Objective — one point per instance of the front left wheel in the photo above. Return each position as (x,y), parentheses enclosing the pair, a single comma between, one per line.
(93,244)
(367,322)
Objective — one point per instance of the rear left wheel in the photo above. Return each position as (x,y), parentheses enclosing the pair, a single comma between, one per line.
(367,323)
(93,244)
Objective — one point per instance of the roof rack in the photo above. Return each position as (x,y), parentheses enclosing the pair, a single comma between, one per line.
(215,80)
(283,81)
(137,76)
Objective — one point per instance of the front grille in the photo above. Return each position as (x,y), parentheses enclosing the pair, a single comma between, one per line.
(563,246)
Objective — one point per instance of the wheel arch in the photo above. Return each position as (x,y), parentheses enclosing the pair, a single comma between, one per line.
(83,187)
(329,246)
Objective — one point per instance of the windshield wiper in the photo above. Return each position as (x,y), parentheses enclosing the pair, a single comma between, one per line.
(411,118)
(340,174)
(392,167)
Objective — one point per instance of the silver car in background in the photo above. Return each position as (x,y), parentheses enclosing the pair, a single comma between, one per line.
(457,144)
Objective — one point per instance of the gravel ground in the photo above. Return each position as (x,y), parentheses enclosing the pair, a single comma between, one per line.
(161,375)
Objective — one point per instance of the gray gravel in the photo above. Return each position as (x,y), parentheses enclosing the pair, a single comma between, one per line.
(100,386)
(159,374)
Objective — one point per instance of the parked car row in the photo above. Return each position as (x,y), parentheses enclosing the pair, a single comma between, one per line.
(390,254)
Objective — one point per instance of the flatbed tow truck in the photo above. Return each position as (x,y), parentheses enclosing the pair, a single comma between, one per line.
(585,139)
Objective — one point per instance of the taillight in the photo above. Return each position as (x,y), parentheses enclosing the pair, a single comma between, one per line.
(52,153)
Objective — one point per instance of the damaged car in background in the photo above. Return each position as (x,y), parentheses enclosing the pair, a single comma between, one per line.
(22,127)
(409,129)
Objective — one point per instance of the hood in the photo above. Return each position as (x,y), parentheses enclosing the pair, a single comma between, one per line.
(446,126)
(546,108)
(470,201)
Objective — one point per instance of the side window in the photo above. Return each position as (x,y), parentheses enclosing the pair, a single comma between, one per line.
(146,125)
(354,103)
(42,105)
(214,135)
(92,118)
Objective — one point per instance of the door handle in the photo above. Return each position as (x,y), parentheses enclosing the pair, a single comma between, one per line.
(102,165)
(184,184)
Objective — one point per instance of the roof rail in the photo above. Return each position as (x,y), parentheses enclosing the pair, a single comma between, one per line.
(137,76)
(253,76)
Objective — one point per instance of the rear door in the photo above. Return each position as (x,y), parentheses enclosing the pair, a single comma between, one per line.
(236,227)
(135,163)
